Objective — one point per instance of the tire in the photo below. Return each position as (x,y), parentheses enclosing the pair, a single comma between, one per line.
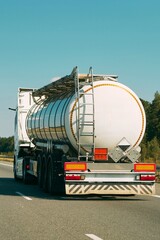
(49,175)
(40,174)
(14,170)
(55,178)
(44,172)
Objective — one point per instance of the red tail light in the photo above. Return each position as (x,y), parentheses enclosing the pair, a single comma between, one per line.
(27,167)
(75,177)
(147,178)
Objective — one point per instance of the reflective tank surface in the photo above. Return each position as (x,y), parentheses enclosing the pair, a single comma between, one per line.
(118,114)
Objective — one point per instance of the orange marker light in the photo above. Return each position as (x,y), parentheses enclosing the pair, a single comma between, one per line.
(75,166)
(144,167)
(101,154)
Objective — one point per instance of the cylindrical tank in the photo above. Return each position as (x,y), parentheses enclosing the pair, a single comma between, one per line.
(118,114)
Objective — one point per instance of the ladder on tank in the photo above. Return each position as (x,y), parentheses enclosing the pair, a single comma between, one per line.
(85,116)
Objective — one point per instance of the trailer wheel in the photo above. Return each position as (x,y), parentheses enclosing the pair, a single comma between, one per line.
(44,173)
(14,170)
(55,179)
(40,174)
(49,175)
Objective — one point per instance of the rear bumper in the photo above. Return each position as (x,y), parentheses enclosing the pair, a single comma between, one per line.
(109,183)
(110,188)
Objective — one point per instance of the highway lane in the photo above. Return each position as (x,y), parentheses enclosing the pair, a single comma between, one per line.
(28,213)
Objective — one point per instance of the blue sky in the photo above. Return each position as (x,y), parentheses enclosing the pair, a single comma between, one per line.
(41,39)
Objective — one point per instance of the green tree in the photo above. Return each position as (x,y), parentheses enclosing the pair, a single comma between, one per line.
(154,118)
(151,141)
(147,107)
(153,149)
(6,144)
(143,151)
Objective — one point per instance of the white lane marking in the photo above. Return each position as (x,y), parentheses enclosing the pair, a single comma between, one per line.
(94,237)
(22,195)
(8,165)
(157,196)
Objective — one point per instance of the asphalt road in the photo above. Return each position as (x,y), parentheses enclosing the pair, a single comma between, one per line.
(28,213)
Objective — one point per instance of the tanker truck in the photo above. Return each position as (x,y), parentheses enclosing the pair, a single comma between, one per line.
(81,135)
